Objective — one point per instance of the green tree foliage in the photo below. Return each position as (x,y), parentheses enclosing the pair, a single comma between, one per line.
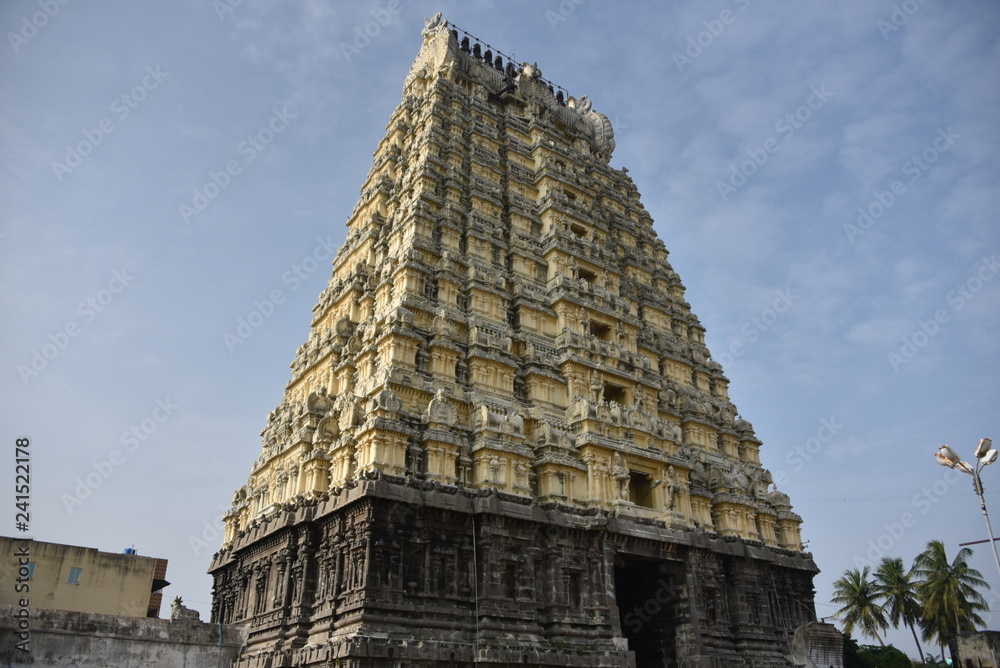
(938,595)
(885,657)
(857,594)
(895,586)
(852,654)
(951,602)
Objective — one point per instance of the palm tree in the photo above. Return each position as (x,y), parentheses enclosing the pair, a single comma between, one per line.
(948,591)
(857,594)
(894,584)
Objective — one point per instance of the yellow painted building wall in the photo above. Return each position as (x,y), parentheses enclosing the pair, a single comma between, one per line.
(111,584)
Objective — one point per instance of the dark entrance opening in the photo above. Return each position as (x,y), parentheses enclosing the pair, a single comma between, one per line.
(640,489)
(648,596)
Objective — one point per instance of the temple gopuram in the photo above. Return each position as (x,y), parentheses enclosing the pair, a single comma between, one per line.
(505,441)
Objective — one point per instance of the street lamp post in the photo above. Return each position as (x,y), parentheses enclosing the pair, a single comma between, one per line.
(985,455)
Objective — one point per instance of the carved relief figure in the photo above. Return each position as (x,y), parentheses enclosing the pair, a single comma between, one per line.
(530,71)
(432,24)
(620,473)
(596,385)
(319,402)
(440,409)
(670,487)
(581,106)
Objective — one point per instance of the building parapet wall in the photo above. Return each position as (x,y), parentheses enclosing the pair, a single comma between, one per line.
(67,639)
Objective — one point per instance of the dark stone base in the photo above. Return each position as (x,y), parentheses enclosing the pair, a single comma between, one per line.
(393,572)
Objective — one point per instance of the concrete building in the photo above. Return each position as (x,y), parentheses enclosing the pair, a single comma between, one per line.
(82,579)
(505,441)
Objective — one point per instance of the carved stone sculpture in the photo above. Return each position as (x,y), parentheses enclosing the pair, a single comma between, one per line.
(621,476)
(179,611)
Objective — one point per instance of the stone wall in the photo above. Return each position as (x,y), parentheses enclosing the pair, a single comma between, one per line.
(979,650)
(390,569)
(66,639)
(818,645)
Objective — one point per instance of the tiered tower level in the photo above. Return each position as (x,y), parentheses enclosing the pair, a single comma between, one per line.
(505,441)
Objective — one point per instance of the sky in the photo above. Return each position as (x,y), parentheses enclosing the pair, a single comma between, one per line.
(825,178)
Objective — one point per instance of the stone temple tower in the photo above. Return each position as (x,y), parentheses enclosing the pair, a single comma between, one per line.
(504,441)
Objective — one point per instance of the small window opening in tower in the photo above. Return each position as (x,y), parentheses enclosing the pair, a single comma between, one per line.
(578,230)
(614,393)
(640,489)
(600,330)
(541,272)
(510,580)
(586,274)
(575,589)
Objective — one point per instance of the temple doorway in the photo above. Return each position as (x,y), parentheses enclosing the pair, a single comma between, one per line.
(648,596)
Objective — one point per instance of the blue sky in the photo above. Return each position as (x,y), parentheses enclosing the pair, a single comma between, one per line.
(824,176)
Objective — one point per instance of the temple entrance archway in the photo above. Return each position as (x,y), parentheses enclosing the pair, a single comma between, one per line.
(649,605)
